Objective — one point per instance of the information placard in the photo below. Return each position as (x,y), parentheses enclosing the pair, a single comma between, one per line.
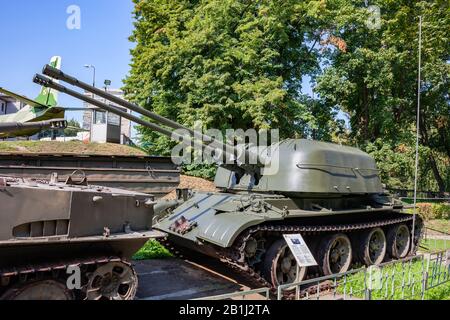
(300,250)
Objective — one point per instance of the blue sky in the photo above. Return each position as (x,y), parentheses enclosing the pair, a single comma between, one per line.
(34,31)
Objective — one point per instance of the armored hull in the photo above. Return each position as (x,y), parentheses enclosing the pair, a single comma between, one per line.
(330,194)
(47,227)
(246,232)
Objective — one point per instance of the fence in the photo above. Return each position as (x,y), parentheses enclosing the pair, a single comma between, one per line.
(263,294)
(408,279)
(435,240)
(430,195)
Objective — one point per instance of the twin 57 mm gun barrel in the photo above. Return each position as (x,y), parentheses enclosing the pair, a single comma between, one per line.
(227,155)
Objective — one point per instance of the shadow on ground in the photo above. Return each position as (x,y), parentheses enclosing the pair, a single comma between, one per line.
(177,279)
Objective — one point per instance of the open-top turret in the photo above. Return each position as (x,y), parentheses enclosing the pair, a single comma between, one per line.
(309,167)
(301,166)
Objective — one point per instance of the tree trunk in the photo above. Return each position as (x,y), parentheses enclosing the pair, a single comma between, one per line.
(445,140)
(433,164)
(365,113)
(436,173)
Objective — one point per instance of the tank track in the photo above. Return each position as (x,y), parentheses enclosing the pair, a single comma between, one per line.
(54,270)
(234,257)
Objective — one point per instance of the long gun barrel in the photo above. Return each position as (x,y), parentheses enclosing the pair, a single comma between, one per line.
(224,155)
(59,75)
(228,154)
(8,127)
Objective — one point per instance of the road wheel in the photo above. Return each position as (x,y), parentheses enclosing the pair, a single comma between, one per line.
(418,233)
(280,266)
(112,281)
(335,254)
(398,241)
(42,290)
(372,246)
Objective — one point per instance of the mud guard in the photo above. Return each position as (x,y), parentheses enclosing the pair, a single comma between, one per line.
(225,227)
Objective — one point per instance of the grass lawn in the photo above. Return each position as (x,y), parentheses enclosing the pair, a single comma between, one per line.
(152,250)
(70,147)
(439,224)
(431,245)
(394,276)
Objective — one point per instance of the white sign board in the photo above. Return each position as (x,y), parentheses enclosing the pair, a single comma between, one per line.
(300,250)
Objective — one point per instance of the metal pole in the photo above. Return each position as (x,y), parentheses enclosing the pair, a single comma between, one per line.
(419,83)
(93,67)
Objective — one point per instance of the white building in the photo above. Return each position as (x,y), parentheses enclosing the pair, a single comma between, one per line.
(9,104)
(106,126)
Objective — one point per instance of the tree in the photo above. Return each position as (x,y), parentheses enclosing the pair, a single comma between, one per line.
(72,131)
(373,77)
(230,64)
(240,64)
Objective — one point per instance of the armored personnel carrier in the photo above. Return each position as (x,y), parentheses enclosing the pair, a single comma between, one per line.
(50,231)
(72,240)
(330,194)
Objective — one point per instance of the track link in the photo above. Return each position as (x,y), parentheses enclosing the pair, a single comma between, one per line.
(55,270)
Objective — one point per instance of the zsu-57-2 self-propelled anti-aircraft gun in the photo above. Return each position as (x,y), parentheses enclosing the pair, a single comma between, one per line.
(330,194)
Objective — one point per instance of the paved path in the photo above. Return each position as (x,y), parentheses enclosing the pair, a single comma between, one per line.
(176,279)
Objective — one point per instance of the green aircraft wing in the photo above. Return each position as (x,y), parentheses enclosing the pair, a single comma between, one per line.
(23,99)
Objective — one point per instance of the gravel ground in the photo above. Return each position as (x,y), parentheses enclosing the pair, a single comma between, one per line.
(193,183)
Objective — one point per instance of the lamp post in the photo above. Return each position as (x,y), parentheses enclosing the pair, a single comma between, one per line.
(90,66)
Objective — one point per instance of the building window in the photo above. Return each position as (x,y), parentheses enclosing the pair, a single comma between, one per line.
(3,107)
(99,117)
(113,119)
